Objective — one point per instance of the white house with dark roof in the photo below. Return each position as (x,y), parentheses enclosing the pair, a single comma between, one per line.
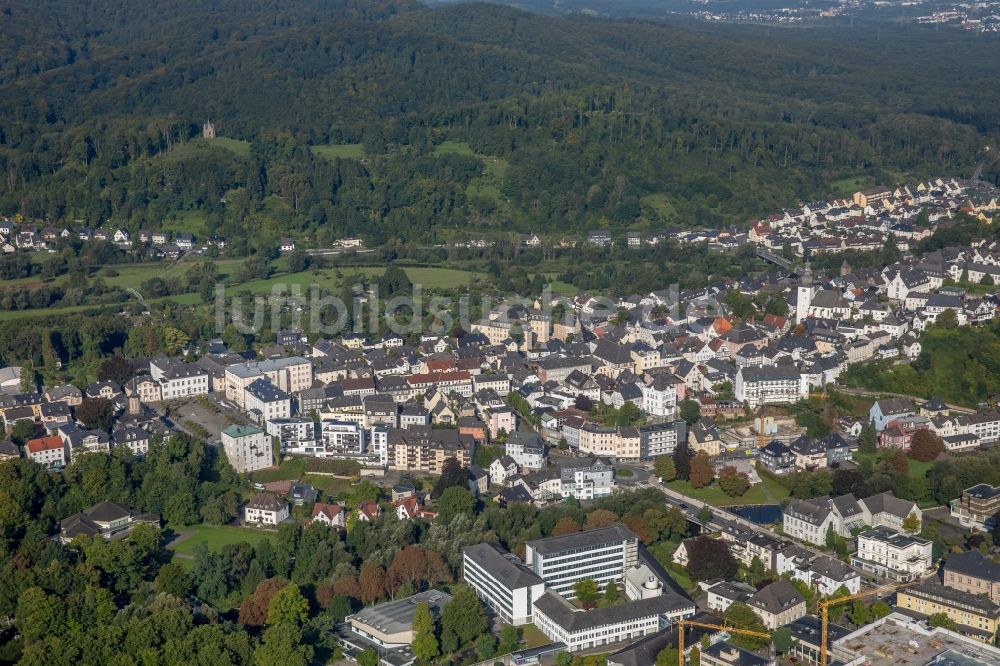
(265,509)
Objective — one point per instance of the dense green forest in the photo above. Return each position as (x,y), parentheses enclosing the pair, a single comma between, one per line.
(388,119)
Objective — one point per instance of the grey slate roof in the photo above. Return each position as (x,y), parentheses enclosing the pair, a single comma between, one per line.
(973,563)
(571,619)
(509,573)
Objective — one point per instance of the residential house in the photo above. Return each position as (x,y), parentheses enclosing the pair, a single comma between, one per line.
(265,509)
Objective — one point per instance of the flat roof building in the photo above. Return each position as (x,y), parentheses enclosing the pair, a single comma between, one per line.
(603,555)
(505,585)
(390,625)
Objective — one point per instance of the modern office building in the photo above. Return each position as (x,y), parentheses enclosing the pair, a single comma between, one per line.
(603,555)
(504,584)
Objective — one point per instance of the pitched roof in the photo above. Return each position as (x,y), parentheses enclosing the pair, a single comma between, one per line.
(266,502)
(776,597)
(975,564)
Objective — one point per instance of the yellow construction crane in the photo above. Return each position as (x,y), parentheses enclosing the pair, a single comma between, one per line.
(826,604)
(718,627)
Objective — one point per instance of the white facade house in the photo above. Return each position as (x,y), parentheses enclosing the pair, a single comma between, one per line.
(505,585)
(885,552)
(266,402)
(659,398)
(342,439)
(527,449)
(265,509)
(179,380)
(827,575)
(769,385)
(248,448)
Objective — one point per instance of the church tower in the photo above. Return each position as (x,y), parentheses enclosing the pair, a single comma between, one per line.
(208,130)
(805,294)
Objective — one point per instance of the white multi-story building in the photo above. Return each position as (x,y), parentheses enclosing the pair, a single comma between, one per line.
(378,444)
(342,439)
(827,575)
(178,380)
(296,435)
(527,449)
(660,439)
(247,447)
(505,585)
(769,385)
(603,555)
(885,552)
(266,402)
(659,398)
(808,521)
(586,478)
(265,509)
(583,630)
(50,452)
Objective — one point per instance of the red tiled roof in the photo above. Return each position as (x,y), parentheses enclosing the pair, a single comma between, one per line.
(43,444)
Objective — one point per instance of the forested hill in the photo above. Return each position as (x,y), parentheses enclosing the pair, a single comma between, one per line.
(549,123)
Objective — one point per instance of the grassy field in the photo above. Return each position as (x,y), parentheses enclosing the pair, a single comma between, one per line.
(486,186)
(766,492)
(916,469)
(185,221)
(851,184)
(349,151)
(657,206)
(290,468)
(532,637)
(216,536)
(235,146)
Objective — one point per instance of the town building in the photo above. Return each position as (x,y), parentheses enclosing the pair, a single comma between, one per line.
(889,554)
(974,573)
(265,509)
(603,555)
(505,585)
(974,616)
(977,507)
(108,520)
(247,447)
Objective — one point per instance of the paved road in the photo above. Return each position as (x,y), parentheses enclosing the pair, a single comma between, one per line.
(723,514)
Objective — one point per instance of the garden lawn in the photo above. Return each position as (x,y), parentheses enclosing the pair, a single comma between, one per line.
(767,491)
(532,637)
(291,468)
(216,536)
(916,470)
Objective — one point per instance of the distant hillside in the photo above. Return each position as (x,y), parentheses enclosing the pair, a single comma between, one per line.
(552,123)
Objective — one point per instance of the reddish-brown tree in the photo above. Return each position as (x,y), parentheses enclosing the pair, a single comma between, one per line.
(702,471)
(565,525)
(372,581)
(926,446)
(347,586)
(601,518)
(253,609)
